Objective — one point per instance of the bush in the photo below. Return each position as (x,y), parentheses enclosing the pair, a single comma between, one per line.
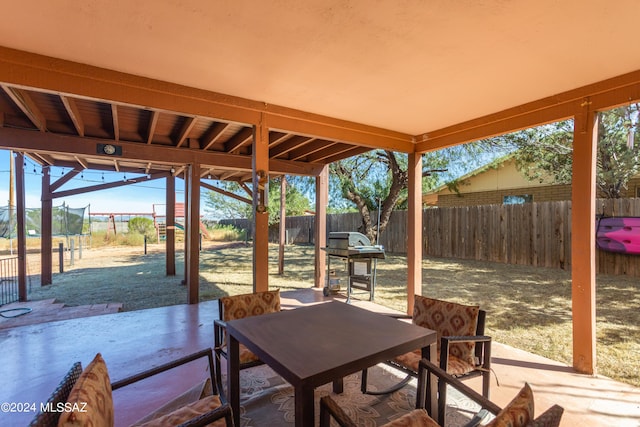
(142,226)
(227,233)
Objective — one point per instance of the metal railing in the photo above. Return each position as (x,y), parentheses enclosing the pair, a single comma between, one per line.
(8,280)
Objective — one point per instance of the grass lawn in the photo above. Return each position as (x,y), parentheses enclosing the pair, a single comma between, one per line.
(527,308)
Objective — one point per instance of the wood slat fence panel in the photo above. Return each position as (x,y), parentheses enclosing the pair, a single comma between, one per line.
(536,234)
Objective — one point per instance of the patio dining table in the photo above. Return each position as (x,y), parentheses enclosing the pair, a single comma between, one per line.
(314,345)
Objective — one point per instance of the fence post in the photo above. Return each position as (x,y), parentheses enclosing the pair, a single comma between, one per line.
(80,239)
(145,244)
(72,250)
(61,256)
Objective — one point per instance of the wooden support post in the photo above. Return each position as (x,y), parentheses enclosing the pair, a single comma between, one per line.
(583,245)
(20,227)
(170,225)
(283,223)
(322,199)
(260,163)
(46,240)
(414,230)
(192,233)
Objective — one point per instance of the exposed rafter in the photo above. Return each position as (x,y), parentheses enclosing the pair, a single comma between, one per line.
(189,123)
(82,162)
(116,122)
(25,103)
(238,140)
(74,114)
(214,134)
(288,145)
(152,126)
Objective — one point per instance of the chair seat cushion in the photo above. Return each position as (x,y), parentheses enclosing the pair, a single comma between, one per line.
(246,356)
(455,366)
(415,418)
(188,412)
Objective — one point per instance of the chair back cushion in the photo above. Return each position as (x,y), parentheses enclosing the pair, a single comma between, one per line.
(50,417)
(448,319)
(247,305)
(90,402)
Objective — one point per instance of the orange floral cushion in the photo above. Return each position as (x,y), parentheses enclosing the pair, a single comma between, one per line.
(456,366)
(518,412)
(448,319)
(247,305)
(90,402)
(187,413)
(415,418)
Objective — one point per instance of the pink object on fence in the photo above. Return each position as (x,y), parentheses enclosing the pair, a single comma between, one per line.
(619,234)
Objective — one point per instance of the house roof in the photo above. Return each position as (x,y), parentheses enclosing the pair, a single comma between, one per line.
(384,75)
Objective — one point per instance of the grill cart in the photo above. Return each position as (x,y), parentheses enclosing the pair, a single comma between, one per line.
(356,250)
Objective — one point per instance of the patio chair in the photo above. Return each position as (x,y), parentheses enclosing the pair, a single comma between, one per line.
(239,307)
(518,413)
(86,397)
(463,350)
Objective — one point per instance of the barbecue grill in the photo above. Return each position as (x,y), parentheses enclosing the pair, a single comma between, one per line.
(358,252)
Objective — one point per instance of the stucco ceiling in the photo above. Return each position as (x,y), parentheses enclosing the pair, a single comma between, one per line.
(408,65)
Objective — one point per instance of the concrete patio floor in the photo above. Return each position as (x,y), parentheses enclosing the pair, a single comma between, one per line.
(35,358)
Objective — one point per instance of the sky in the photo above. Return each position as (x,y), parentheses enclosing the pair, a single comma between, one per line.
(134,198)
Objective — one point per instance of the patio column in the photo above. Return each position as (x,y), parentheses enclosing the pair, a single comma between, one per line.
(170,225)
(20,227)
(192,232)
(583,245)
(46,240)
(414,229)
(322,200)
(260,170)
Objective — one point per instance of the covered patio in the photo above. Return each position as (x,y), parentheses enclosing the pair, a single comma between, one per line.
(244,91)
(175,331)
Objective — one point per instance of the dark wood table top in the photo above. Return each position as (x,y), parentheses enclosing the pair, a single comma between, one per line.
(317,344)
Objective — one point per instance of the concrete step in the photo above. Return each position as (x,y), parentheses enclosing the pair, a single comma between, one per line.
(50,311)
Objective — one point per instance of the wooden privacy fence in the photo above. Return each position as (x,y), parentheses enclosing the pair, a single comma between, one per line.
(536,234)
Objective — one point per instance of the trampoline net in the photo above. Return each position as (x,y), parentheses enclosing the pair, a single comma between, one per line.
(65,221)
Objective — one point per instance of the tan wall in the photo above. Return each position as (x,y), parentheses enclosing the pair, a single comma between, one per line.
(490,187)
(551,193)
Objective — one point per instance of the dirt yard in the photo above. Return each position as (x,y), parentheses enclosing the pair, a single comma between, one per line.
(528,308)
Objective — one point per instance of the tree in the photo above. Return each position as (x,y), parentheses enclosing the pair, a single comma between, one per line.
(365,180)
(224,206)
(381,177)
(545,153)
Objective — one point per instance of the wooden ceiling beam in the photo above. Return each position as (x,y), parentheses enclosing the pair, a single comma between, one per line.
(151,130)
(213,134)
(74,113)
(288,145)
(116,166)
(82,163)
(189,123)
(25,103)
(46,159)
(115,184)
(276,138)
(243,137)
(309,149)
(246,188)
(63,180)
(354,151)
(225,192)
(116,122)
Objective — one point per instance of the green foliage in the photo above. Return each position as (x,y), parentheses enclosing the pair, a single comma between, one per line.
(142,226)
(224,206)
